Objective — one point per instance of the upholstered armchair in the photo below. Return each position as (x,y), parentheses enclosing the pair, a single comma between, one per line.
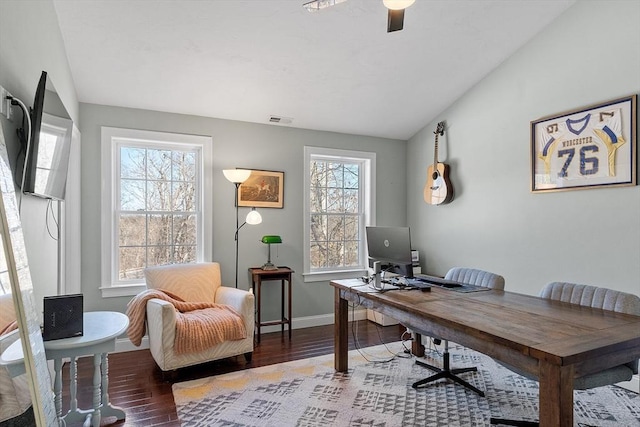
(199,283)
(15,397)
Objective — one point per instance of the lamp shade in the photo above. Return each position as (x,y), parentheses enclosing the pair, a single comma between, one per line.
(397,4)
(236,175)
(254,217)
(271,239)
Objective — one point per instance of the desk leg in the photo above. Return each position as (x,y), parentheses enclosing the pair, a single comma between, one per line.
(57,385)
(556,395)
(107,409)
(341,333)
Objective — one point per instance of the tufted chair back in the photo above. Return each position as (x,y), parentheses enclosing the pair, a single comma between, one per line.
(191,282)
(472,276)
(591,296)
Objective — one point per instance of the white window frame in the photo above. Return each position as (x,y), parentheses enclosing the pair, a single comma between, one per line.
(367,199)
(112,140)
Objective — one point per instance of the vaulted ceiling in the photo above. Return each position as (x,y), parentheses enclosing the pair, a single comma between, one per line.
(335,70)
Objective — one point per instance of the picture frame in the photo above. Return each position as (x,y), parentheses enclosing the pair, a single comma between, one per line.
(263,189)
(589,147)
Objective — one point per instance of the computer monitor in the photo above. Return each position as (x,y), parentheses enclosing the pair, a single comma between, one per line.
(392,247)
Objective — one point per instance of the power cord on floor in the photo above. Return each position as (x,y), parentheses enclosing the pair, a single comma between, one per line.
(365,355)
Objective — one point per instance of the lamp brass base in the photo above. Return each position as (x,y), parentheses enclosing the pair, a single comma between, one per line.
(269,266)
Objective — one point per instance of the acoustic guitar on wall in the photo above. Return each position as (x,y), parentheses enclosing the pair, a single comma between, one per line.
(438,189)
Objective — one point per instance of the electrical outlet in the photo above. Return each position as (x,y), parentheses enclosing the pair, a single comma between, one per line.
(3,105)
(9,106)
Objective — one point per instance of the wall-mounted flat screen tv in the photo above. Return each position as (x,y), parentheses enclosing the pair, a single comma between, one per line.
(47,155)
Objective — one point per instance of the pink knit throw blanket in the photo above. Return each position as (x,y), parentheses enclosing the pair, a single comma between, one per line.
(199,325)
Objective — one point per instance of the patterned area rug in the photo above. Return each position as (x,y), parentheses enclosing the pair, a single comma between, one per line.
(377,392)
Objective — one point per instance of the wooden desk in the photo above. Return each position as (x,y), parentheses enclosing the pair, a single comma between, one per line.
(258,275)
(101,328)
(554,340)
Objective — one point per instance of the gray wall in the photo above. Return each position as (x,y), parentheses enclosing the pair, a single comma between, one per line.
(590,54)
(30,42)
(245,145)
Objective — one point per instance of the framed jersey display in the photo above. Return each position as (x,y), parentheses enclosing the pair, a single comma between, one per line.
(590,147)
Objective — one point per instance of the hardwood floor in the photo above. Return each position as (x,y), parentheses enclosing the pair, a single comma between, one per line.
(139,387)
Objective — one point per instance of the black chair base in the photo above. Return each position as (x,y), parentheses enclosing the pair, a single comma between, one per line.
(445,372)
(515,423)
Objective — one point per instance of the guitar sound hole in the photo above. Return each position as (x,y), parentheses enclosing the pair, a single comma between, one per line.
(434,176)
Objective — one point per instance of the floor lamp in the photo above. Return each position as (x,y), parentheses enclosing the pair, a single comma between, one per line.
(237,177)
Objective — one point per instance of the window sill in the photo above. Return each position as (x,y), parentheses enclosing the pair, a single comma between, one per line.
(122,290)
(326,276)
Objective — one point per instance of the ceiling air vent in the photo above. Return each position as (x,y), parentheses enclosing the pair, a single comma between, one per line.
(280,120)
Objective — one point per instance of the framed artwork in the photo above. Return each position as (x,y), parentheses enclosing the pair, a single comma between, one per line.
(589,147)
(263,189)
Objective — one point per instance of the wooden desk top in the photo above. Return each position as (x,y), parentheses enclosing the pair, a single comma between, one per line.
(512,327)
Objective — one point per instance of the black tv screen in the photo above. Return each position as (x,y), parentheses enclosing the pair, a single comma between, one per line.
(47,155)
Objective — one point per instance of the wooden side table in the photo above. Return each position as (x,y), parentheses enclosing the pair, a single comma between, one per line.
(258,275)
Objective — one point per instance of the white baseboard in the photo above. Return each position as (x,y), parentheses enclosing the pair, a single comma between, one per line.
(124,344)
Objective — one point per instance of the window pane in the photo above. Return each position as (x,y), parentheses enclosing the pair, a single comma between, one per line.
(351,198)
(132,263)
(318,174)
(351,251)
(158,164)
(351,228)
(132,195)
(351,176)
(318,228)
(184,196)
(159,230)
(335,227)
(334,175)
(159,196)
(132,163)
(133,230)
(334,200)
(318,199)
(158,255)
(335,254)
(318,255)
(184,230)
(184,254)
(184,166)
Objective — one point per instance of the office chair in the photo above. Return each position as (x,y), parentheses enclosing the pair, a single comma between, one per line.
(473,277)
(588,296)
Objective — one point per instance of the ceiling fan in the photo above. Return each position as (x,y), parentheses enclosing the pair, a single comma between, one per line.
(395,16)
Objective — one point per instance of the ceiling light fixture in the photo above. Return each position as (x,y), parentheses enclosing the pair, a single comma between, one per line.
(315,5)
(397,4)
(395,15)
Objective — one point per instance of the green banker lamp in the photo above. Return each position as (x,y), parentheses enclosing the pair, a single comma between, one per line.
(270,240)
